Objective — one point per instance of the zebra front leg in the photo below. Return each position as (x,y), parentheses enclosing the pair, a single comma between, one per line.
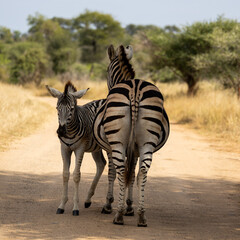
(76,178)
(129,201)
(144,165)
(100,164)
(107,208)
(66,157)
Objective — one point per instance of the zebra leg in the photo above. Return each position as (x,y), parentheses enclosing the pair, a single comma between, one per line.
(119,164)
(129,201)
(76,178)
(144,165)
(107,208)
(66,157)
(100,164)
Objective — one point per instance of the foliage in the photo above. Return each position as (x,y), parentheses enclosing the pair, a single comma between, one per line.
(95,31)
(176,51)
(223,61)
(28,63)
(5,35)
(57,41)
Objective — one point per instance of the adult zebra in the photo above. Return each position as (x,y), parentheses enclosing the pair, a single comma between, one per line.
(76,135)
(131,123)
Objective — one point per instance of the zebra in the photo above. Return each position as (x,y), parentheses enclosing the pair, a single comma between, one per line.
(131,123)
(76,135)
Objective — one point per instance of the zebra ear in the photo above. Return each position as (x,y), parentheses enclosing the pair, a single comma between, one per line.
(111,52)
(79,94)
(54,92)
(129,52)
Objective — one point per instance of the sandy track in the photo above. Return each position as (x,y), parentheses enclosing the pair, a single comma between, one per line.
(193,192)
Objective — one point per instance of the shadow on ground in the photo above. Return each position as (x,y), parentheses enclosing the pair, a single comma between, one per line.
(181,208)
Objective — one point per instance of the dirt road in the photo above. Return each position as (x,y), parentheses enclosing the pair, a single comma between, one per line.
(193,192)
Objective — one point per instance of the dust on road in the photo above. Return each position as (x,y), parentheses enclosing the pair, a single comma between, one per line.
(193,192)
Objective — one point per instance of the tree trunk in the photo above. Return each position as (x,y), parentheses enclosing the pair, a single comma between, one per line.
(192,85)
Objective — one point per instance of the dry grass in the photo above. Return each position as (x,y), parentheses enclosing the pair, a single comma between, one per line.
(20,113)
(98,89)
(214,111)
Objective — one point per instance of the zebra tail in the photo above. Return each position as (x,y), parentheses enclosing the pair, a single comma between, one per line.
(131,143)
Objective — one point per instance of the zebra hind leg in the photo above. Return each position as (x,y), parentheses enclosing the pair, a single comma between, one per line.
(144,165)
(120,169)
(107,208)
(100,164)
(129,201)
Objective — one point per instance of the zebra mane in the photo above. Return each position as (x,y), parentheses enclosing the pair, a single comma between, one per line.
(69,87)
(124,62)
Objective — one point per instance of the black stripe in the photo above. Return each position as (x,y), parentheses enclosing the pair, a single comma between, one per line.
(148,153)
(119,90)
(136,86)
(116,151)
(154,108)
(112,132)
(129,83)
(144,84)
(154,133)
(151,143)
(118,159)
(150,94)
(116,104)
(116,68)
(112,118)
(114,142)
(155,120)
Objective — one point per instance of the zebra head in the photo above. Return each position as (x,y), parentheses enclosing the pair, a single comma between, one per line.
(66,105)
(119,68)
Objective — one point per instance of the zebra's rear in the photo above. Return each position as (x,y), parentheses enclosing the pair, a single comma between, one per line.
(133,102)
(132,119)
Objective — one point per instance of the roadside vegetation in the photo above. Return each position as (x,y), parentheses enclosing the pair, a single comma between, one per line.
(197,67)
(20,113)
(213,111)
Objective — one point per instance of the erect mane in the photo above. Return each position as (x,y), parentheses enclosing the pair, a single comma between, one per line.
(69,87)
(124,62)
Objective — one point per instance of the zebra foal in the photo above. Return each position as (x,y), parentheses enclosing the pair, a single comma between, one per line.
(75,135)
(131,123)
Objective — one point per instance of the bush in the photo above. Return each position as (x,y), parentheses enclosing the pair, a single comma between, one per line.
(28,63)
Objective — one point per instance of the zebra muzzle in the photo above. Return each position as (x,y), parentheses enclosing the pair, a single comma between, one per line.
(61,131)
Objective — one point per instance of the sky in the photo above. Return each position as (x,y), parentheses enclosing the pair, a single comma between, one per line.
(14,13)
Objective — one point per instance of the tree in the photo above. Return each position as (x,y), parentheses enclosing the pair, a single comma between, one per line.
(95,31)
(57,40)
(29,63)
(223,61)
(178,50)
(5,35)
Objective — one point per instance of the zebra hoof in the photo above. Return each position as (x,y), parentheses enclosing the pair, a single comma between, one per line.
(106,211)
(87,204)
(129,212)
(75,212)
(118,219)
(142,225)
(60,211)
(142,221)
